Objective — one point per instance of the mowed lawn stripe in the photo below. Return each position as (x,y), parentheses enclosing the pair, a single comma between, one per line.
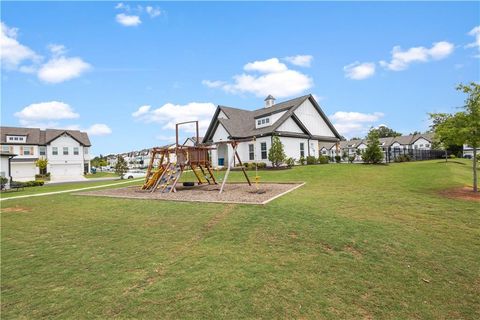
(355,242)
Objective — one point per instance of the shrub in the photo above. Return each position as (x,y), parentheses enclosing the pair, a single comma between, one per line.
(331,159)
(44,177)
(344,156)
(311,160)
(373,153)
(276,155)
(261,165)
(338,159)
(351,159)
(323,159)
(290,162)
(36,183)
(302,161)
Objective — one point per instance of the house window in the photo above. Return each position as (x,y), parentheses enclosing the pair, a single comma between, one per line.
(302,150)
(26,152)
(267,120)
(10,138)
(259,122)
(54,151)
(75,151)
(251,153)
(427,145)
(42,151)
(5,149)
(16,138)
(263,148)
(65,151)
(85,150)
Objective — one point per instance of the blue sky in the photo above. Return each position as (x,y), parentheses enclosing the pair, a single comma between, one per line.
(127,71)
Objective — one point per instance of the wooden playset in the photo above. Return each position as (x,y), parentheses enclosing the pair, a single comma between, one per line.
(168,163)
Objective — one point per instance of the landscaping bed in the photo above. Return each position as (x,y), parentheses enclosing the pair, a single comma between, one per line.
(232,193)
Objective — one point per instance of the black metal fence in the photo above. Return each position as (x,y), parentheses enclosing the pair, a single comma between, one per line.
(398,155)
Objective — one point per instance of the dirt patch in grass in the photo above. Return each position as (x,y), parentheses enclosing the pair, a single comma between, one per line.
(16,209)
(233,193)
(355,252)
(464,193)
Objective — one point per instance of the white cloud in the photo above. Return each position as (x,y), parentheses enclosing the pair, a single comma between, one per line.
(128,20)
(402,59)
(13,53)
(266,66)
(98,129)
(59,69)
(359,71)
(169,114)
(46,113)
(213,84)
(300,60)
(274,78)
(57,49)
(120,5)
(350,124)
(153,12)
(475,32)
(141,111)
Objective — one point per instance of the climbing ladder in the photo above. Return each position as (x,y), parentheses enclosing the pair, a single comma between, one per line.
(169,178)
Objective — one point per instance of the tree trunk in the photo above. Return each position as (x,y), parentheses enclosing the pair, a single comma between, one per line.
(475,180)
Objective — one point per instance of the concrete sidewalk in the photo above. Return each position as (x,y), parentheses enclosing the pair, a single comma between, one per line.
(71,190)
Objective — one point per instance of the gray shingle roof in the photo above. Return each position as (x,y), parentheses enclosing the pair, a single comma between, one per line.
(241,123)
(36,136)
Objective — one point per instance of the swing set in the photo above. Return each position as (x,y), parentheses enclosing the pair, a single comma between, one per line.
(167,165)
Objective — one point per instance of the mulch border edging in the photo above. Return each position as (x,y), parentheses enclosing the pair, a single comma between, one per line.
(296,186)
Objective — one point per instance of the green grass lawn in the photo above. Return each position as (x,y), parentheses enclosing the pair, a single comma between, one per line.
(100,174)
(355,242)
(64,186)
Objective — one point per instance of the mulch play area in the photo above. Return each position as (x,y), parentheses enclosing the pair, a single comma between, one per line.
(240,193)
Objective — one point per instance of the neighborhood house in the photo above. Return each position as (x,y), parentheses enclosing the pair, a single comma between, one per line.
(299,123)
(67,152)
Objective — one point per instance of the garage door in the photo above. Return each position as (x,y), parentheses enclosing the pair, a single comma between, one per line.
(23,171)
(66,171)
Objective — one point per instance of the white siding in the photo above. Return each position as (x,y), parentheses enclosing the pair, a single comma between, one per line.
(289,126)
(220,134)
(23,171)
(65,167)
(312,120)
(292,147)
(421,144)
(222,115)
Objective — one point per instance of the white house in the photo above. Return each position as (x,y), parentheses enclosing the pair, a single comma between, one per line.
(394,145)
(67,152)
(300,124)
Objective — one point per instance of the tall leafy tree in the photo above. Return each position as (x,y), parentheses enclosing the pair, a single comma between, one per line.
(386,132)
(276,154)
(121,166)
(462,127)
(373,153)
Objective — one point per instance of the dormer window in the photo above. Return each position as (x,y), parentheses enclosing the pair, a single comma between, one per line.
(17,139)
(263,122)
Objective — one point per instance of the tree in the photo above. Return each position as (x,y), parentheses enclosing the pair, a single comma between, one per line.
(386,132)
(356,138)
(99,161)
(42,165)
(121,167)
(462,127)
(276,154)
(373,153)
